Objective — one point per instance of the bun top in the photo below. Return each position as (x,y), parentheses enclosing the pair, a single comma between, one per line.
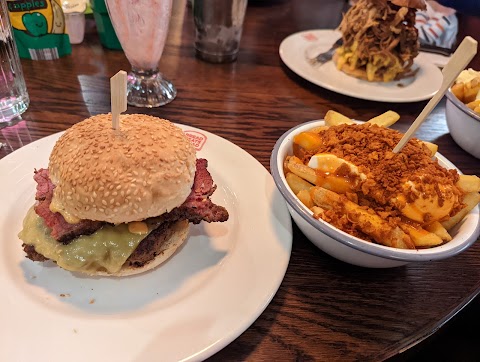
(142,170)
(417,4)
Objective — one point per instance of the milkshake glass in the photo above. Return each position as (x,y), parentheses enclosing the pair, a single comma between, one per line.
(141,27)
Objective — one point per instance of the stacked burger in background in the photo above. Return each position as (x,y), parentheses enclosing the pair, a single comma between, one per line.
(380,40)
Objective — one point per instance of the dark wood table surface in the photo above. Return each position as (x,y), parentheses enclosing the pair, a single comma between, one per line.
(324,309)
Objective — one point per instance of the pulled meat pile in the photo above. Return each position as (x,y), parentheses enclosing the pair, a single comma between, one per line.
(379,38)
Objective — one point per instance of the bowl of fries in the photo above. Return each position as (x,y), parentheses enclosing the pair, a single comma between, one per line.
(311,199)
(463,112)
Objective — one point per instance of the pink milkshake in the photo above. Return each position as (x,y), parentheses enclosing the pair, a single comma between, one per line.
(142,27)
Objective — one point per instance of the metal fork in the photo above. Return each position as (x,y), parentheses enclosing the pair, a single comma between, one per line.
(326,56)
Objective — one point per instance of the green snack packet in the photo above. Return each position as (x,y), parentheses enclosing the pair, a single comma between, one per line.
(39,29)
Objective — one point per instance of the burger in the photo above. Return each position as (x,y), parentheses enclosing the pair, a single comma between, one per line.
(380,40)
(120,201)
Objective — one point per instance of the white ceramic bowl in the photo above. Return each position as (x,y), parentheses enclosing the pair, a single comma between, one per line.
(349,248)
(464,125)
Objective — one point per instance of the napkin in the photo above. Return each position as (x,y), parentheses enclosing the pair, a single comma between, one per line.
(437,25)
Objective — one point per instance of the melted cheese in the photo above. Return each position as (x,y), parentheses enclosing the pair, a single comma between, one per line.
(138,227)
(105,250)
(423,205)
(57,206)
(326,166)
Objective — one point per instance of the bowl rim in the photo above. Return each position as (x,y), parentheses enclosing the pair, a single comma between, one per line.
(408,255)
(461,106)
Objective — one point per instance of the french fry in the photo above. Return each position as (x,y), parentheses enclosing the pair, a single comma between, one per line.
(470,200)
(438,229)
(333,118)
(308,140)
(474,104)
(368,221)
(296,183)
(385,119)
(471,90)
(477,109)
(317,211)
(330,182)
(295,165)
(469,183)
(321,189)
(294,159)
(431,146)
(458,91)
(305,198)
(420,236)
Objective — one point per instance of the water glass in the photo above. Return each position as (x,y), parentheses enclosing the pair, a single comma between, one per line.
(218,29)
(13,91)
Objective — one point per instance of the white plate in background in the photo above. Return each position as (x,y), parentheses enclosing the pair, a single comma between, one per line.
(295,49)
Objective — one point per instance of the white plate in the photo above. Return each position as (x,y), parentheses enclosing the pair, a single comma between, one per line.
(295,49)
(200,300)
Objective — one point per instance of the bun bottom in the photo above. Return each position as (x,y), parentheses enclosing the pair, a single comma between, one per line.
(362,73)
(166,250)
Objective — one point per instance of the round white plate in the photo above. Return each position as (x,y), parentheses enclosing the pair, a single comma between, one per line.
(295,49)
(201,299)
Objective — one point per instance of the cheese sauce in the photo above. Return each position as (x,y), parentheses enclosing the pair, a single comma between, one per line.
(56,206)
(105,250)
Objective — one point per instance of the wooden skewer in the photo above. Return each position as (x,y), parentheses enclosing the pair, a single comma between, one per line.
(459,60)
(118,94)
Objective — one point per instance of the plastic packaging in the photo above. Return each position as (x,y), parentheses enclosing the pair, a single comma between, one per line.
(39,29)
(74,11)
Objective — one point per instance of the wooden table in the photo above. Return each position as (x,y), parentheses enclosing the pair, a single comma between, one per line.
(324,309)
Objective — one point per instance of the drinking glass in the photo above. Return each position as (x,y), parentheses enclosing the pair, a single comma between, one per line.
(13,92)
(218,29)
(141,27)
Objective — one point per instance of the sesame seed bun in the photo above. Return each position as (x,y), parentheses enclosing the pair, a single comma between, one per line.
(416,4)
(142,170)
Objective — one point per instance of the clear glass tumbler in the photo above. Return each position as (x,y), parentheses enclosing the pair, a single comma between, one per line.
(13,91)
(141,27)
(218,29)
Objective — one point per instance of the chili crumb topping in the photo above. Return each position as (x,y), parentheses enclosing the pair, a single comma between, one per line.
(370,148)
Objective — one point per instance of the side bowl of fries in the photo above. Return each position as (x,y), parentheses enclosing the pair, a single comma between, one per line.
(344,246)
(463,120)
